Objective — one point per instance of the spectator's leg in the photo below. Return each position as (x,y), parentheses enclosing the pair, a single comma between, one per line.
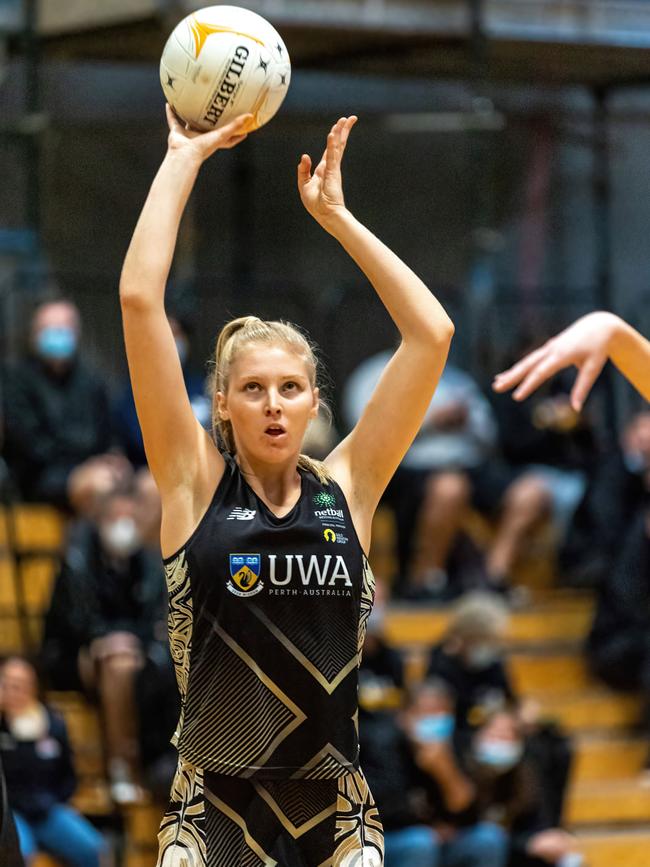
(118,664)
(69,835)
(446,498)
(527,501)
(26,839)
(482,845)
(417,846)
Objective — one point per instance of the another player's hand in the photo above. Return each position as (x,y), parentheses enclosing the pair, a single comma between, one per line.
(322,191)
(202,145)
(584,344)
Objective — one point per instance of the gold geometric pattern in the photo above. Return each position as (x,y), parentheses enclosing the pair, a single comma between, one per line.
(252,718)
(328,684)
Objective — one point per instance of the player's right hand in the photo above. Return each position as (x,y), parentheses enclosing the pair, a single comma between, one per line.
(202,145)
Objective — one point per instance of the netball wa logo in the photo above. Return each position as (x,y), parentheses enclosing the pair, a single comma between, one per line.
(324,499)
(245,572)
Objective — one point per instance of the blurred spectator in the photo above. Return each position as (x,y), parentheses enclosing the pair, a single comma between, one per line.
(546,435)
(426,802)
(511,794)
(617,493)
(40,774)
(91,481)
(619,642)
(381,672)
(125,419)
(108,606)
(55,409)
(451,465)
(470,658)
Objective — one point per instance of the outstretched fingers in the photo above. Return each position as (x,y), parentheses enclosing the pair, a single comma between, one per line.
(514,375)
(304,170)
(587,375)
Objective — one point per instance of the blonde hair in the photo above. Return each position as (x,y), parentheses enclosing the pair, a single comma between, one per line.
(232,338)
(478,615)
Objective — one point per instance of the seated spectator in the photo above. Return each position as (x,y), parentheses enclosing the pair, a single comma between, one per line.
(509,793)
(470,658)
(55,409)
(381,672)
(125,419)
(547,436)
(426,802)
(90,482)
(618,646)
(450,466)
(618,492)
(40,775)
(108,605)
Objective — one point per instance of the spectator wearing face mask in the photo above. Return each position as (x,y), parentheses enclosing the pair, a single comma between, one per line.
(55,409)
(125,419)
(510,793)
(107,609)
(470,658)
(427,802)
(40,776)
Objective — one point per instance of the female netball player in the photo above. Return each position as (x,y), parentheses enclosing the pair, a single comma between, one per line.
(264,549)
(587,344)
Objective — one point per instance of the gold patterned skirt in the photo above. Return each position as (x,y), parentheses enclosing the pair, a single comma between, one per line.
(219,821)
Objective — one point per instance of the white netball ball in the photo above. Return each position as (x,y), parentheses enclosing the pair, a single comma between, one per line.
(223,61)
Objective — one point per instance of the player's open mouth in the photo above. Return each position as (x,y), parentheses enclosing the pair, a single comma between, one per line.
(275,430)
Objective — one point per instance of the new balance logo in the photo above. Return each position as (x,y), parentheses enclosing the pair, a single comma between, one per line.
(240,514)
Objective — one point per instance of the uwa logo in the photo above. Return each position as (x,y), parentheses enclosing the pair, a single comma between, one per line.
(320,570)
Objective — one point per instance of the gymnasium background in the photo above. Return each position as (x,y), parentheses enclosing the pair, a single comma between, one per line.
(501,150)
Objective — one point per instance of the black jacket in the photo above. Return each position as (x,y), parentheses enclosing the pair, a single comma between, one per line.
(94,596)
(51,424)
(39,774)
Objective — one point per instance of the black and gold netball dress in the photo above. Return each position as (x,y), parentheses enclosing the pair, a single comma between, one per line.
(267,620)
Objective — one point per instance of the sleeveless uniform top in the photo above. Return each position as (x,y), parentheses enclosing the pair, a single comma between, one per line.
(267,619)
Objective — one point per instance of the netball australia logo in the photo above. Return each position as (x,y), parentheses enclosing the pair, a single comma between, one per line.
(244,574)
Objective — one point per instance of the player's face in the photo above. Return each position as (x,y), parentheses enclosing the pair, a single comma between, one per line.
(269,402)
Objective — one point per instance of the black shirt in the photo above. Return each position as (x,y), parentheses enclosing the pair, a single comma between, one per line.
(267,620)
(39,773)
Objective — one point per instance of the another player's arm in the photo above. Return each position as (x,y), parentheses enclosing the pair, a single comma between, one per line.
(178,449)
(587,344)
(365,461)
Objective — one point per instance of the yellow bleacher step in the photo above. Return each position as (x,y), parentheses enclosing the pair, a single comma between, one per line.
(93,798)
(592,709)
(612,802)
(563,621)
(553,672)
(36,577)
(616,848)
(605,757)
(36,526)
(44,860)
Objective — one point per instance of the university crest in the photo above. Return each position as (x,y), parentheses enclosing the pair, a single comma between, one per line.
(244,573)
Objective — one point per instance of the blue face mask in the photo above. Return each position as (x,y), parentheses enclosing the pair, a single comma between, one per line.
(57,344)
(499,755)
(434,727)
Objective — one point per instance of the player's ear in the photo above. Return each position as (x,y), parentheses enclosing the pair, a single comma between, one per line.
(313,412)
(222,408)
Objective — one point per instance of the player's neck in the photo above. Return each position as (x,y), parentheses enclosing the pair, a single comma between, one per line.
(277,484)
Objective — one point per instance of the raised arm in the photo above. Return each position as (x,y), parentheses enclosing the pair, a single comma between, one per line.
(179,452)
(365,461)
(587,344)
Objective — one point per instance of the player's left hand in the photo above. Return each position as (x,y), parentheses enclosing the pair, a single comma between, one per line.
(322,192)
